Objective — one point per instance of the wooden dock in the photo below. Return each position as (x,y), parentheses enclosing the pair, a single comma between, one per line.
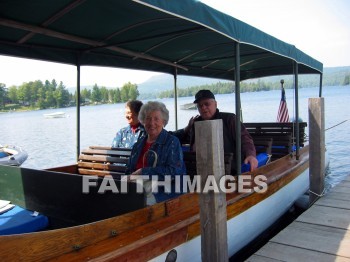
(321,233)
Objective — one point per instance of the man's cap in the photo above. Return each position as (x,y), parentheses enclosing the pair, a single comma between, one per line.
(203,94)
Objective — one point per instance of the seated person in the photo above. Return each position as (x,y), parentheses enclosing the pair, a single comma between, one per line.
(156,155)
(127,136)
(207,108)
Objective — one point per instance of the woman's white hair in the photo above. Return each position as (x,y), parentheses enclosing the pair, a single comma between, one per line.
(154,106)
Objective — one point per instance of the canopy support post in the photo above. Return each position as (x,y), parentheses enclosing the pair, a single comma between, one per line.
(78,110)
(296,109)
(175,97)
(320,92)
(238,108)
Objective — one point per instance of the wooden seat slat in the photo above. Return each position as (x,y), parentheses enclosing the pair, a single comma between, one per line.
(274,130)
(103,159)
(125,153)
(84,171)
(99,166)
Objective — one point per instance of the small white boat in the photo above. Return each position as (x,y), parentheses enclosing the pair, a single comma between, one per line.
(12,155)
(188,106)
(55,115)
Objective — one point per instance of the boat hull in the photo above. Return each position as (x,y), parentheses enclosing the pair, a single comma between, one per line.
(247,226)
(151,232)
(55,115)
(12,156)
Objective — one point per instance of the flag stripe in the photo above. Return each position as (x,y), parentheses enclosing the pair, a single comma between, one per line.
(283,115)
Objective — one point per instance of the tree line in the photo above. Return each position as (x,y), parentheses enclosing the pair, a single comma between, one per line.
(39,95)
(249,86)
(50,94)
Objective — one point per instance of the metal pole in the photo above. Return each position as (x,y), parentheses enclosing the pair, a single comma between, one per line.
(78,110)
(238,108)
(320,93)
(296,110)
(175,96)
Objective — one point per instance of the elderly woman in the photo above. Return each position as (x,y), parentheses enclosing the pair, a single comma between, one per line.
(127,136)
(158,155)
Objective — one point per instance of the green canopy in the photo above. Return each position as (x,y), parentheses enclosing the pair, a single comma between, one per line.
(154,35)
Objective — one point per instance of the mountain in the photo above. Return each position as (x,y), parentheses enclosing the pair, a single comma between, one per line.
(163,82)
(158,83)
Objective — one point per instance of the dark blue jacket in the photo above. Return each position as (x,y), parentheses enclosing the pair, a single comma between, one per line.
(169,161)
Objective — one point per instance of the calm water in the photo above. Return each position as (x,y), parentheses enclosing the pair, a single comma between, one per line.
(51,142)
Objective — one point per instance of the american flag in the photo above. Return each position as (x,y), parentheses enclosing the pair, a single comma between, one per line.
(283,115)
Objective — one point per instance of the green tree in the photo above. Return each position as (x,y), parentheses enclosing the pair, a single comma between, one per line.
(96,94)
(85,95)
(129,91)
(133,92)
(104,95)
(116,96)
(41,102)
(34,91)
(50,99)
(24,94)
(124,93)
(53,85)
(12,94)
(3,95)
(61,96)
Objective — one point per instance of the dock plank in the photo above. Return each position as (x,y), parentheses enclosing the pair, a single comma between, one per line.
(321,233)
(324,239)
(340,189)
(340,196)
(277,252)
(334,202)
(326,216)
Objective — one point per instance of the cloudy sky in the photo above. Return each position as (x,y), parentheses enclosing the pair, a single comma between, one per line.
(320,28)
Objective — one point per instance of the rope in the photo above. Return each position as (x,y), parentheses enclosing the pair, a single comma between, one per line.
(321,195)
(337,124)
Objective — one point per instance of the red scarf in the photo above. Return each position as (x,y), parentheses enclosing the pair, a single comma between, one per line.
(140,163)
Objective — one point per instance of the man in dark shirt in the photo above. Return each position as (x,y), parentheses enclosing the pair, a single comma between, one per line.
(207,108)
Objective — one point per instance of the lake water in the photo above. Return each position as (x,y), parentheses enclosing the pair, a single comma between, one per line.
(51,142)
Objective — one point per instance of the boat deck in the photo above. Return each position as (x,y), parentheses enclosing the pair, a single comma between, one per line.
(322,233)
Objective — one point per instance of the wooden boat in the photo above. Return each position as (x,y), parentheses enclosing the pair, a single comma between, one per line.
(55,115)
(160,36)
(11,155)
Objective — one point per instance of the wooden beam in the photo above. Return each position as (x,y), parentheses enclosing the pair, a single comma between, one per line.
(210,165)
(317,148)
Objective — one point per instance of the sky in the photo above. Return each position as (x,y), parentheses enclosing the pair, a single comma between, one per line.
(320,28)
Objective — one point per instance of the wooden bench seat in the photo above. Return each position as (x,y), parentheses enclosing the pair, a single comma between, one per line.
(282,136)
(274,128)
(103,161)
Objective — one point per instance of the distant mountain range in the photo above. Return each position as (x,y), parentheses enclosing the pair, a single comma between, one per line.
(163,82)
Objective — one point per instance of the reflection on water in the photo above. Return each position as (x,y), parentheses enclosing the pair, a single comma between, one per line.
(51,142)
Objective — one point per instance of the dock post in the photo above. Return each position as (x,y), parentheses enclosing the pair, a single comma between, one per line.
(317,148)
(210,168)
